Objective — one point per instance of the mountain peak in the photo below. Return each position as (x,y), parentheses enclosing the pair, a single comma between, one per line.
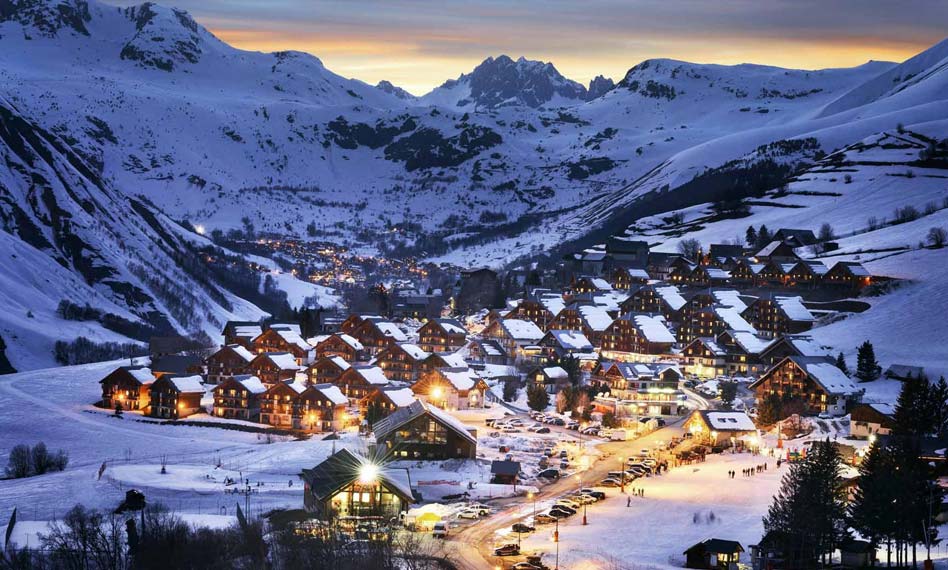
(501,81)
(392,89)
(47,17)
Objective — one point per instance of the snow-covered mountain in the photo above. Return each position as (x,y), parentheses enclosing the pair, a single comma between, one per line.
(168,119)
(502,81)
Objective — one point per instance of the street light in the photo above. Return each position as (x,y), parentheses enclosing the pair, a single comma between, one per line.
(368,473)
(622,477)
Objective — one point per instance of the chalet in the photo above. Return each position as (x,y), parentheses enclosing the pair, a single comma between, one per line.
(624,278)
(714,554)
(479,288)
(627,253)
(590,261)
(442,335)
(804,273)
(794,237)
(326,369)
(504,472)
(422,431)
(533,311)
(360,380)
(778,251)
(517,337)
(342,345)
(242,333)
(700,276)
(274,367)
(637,334)
(401,362)
(415,304)
(238,397)
(713,426)
(645,388)
(487,351)
(772,274)
(287,340)
(904,372)
(593,322)
(383,401)
(704,358)
(586,284)
(279,406)
(871,420)
(847,275)
(746,273)
(128,386)
(660,264)
(376,334)
(354,321)
(175,397)
(568,318)
(452,388)
(710,322)
(816,381)
(790,345)
(743,352)
(665,300)
(550,378)
(229,360)
(730,298)
(779,315)
(557,344)
(349,487)
(445,360)
(322,408)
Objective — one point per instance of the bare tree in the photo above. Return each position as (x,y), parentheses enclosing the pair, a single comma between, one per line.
(937,237)
(689,248)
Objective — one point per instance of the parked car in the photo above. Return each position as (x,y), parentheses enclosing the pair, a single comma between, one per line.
(583,499)
(469,514)
(480,509)
(507,550)
(543,463)
(561,512)
(440,530)
(520,527)
(567,503)
(559,421)
(564,454)
(543,518)
(542,429)
(660,422)
(564,464)
(552,474)
(598,494)
(573,425)
(525,566)
(609,482)
(548,452)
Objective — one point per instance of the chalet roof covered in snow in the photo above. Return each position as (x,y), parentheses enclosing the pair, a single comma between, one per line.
(141,373)
(572,340)
(372,374)
(671,296)
(342,468)
(248,332)
(555,373)
(461,378)
(794,309)
(187,384)
(241,352)
(414,351)
(729,298)
(332,393)
(400,397)
(825,373)
(451,326)
(601,284)
(553,303)
(251,383)
(733,319)
(712,345)
(769,249)
(728,421)
(522,330)
(293,337)
(750,342)
(596,318)
(340,362)
(416,409)
(283,360)
(716,273)
(391,330)
(653,329)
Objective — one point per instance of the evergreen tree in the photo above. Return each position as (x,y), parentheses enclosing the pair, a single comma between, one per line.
(763,236)
(751,236)
(537,398)
(728,391)
(939,401)
(510,390)
(841,363)
(770,410)
(870,511)
(118,409)
(570,364)
(867,369)
(914,410)
(808,513)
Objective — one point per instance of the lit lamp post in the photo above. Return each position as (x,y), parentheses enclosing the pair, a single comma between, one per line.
(580,479)
(622,477)
(556,539)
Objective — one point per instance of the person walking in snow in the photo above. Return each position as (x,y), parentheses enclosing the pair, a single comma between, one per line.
(628,501)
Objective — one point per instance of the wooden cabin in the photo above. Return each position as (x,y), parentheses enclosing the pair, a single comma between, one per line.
(847,275)
(176,397)
(279,406)
(401,362)
(533,311)
(714,427)
(229,360)
(637,334)
(805,274)
(326,369)
(868,420)
(452,388)
(705,358)
(424,432)
(778,251)
(338,489)
(550,378)
(128,387)
(442,335)
(815,381)
(284,340)
(487,351)
(377,334)
(624,278)
(779,315)
(241,333)
(743,352)
(516,336)
(274,367)
(714,554)
(238,397)
(342,345)
(322,408)
(360,380)
(665,300)
(557,344)
(383,401)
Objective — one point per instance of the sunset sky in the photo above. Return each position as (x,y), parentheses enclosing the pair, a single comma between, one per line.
(419,44)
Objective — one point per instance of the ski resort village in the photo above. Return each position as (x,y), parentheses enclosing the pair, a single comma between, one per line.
(257,315)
